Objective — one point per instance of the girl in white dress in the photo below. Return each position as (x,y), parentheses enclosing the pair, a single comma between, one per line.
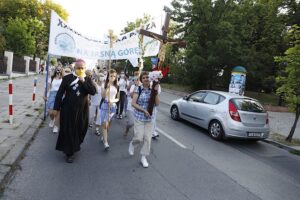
(110,97)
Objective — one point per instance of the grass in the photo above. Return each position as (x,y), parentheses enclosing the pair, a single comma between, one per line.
(265,99)
(181,88)
(281,139)
(296,152)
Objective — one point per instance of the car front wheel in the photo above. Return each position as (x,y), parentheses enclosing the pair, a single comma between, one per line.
(174,113)
(215,130)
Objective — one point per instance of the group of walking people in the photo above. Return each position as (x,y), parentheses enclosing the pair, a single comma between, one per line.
(84,98)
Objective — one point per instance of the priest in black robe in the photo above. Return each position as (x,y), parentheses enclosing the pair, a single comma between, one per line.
(72,102)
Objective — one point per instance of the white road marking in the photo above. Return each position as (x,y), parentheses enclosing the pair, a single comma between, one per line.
(171,138)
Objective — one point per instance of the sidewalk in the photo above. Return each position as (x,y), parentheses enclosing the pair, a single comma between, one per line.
(15,75)
(14,138)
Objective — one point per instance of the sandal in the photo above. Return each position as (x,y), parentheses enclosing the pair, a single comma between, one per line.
(98,133)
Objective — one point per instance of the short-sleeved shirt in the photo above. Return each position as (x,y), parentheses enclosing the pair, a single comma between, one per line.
(142,101)
(55,84)
(96,98)
(123,85)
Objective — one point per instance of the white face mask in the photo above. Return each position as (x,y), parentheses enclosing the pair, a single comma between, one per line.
(122,75)
(102,78)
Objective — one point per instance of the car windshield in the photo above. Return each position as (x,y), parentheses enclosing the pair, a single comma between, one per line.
(249,105)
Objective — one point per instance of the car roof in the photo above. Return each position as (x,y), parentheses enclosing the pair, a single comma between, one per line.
(226,94)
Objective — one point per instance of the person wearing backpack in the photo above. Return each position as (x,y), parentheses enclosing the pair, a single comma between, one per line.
(110,96)
(143,122)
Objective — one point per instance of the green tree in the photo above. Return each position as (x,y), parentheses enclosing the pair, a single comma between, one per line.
(293,11)
(122,64)
(46,14)
(19,38)
(261,26)
(37,29)
(290,78)
(2,43)
(66,60)
(212,44)
(138,22)
(2,38)
(222,34)
(37,14)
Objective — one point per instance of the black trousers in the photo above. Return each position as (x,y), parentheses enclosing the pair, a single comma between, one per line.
(121,103)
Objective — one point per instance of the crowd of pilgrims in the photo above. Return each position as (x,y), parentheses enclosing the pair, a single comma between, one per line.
(79,99)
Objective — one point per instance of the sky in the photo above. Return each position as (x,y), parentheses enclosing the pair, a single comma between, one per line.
(93,18)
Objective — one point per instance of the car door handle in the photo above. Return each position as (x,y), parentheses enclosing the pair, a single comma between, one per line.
(211,110)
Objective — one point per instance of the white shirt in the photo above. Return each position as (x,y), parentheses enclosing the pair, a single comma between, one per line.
(112,93)
(96,98)
(123,85)
(55,84)
(129,106)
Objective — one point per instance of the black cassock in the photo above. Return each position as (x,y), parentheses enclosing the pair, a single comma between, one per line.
(72,101)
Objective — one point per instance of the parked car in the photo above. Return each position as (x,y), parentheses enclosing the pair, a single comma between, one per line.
(223,114)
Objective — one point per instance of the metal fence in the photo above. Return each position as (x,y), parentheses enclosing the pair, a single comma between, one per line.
(19,64)
(32,65)
(3,64)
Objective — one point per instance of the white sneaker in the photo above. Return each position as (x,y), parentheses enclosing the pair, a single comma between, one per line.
(144,162)
(155,135)
(51,123)
(106,146)
(55,129)
(131,149)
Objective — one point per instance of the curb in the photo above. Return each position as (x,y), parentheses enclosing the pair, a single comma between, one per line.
(279,145)
(269,141)
(5,77)
(17,152)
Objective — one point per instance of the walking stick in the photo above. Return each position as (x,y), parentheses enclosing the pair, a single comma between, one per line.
(46,87)
(112,38)
(141,52)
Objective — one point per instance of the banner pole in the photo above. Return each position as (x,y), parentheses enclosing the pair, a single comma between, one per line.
(46,86)
(110,32)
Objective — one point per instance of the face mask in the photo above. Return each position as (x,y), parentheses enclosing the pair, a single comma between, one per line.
(80,72)
(102,78)
(122,75)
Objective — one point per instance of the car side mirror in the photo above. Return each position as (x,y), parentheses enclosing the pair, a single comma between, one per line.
(185,98)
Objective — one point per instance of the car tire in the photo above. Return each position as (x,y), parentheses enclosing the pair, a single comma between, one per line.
(174,113)
(215,130)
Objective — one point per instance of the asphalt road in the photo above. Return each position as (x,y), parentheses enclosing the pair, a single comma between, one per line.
(185,163)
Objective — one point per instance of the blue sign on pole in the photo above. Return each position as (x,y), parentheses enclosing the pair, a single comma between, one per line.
(154,60)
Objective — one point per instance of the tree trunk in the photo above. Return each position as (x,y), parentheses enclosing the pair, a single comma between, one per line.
(290,136)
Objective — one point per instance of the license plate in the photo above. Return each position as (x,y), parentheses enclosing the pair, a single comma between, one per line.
(250,134)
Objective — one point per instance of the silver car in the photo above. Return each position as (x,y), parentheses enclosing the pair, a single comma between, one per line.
(223,114)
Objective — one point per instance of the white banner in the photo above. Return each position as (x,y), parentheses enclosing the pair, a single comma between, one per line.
(65,41)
